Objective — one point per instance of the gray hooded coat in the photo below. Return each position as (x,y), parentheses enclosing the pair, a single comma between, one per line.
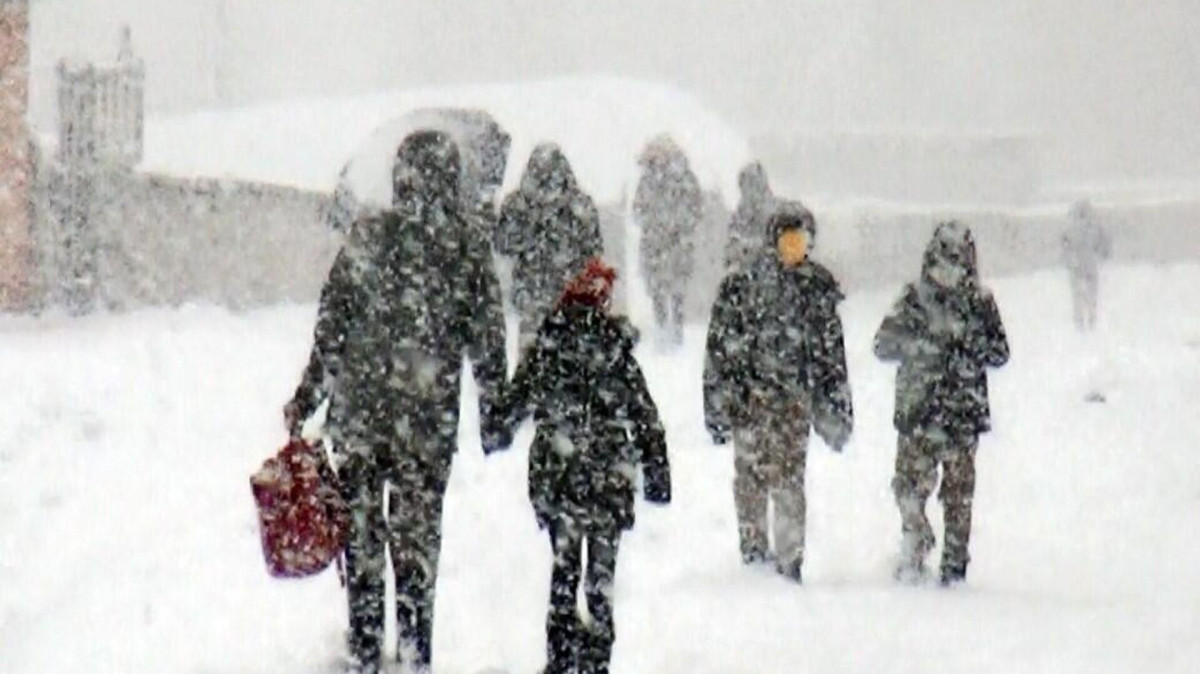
(944,331)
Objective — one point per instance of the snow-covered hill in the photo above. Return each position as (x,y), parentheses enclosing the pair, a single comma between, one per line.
(128,540)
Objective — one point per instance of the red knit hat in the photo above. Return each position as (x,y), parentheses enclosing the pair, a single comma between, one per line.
(593,285)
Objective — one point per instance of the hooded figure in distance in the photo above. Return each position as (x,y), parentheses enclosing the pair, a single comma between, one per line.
(549,227)
(748,227)
(668,206)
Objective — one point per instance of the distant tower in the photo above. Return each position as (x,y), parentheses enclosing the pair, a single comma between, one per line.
(100,138)
(16,161)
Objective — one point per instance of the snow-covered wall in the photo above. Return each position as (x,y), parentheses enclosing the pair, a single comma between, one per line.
(874,245)
(148,240)
(220,238)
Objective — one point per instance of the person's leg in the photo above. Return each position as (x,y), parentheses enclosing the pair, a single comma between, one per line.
(415,561)
(366,563)
(1091,298)
(678,301)
(791,506)
(1078,301)
(423,462)
(563,626)
(913,483)
(596,651)
(957,495)
(750,496)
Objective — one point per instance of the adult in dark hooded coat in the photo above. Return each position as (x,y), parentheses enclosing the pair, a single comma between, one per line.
(945,330)
(549,227)
(748,227)
(596,425)
(668,206)
(775,365)
(411,293)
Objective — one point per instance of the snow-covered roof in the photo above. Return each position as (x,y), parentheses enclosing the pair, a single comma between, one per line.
(601,124)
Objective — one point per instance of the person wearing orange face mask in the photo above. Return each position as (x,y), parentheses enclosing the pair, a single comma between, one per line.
(775,366)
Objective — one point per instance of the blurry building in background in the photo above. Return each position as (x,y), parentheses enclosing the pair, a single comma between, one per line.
(110,235)
(16,156)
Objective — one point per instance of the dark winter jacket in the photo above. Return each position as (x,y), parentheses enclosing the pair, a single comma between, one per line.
(775,340)
(549,226)
(596,422)
(944,336)
(668,205)
(748,227)
(407,297)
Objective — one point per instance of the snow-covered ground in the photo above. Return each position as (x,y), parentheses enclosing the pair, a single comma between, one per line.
(128,540)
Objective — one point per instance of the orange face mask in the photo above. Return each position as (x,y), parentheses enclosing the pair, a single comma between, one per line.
(793,247)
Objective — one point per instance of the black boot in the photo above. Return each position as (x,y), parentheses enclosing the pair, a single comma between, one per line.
(755,555)
(914,549)
(563,639)
(953,574)
(791,570)
(595,651)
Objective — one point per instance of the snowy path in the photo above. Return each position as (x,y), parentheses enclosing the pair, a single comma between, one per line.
(128,540)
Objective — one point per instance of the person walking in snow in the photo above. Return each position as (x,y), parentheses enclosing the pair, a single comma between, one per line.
(1084,246)
(748,227)
(668,206)
(549,227)
(411,292)
(775,365)
(945,331)
(596,425)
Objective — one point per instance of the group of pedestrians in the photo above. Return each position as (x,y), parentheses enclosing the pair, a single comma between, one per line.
(411,293)
(414,290)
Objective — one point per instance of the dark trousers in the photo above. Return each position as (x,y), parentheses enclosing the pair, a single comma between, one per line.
(415,525)
(363,488)
(412,531)
(918,458)
(572,645)
(770,454)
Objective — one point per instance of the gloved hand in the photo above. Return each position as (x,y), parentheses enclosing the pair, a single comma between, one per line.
(496,442)
(721,433)
(292,419)
(495,436)
(838,441)
(834,430)
(657,488)
(495,429)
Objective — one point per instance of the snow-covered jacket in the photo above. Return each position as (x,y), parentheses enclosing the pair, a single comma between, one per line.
(410,294)
(596,422)
(944,338)
(775,339)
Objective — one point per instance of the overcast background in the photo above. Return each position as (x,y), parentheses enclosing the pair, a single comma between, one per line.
(1112,86)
